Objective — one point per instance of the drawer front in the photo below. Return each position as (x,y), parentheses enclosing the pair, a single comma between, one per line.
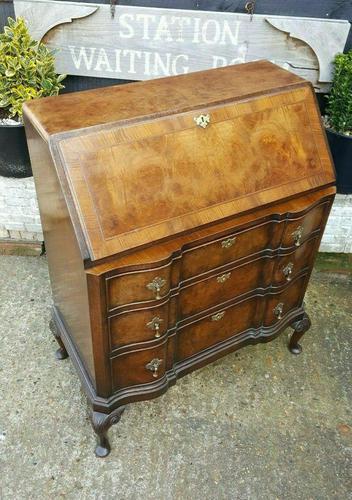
(225,286)
(139,367)
(280,304)
(140,325)
(139,286)
(230,248)
(297,230)
(216,328)
(288,266)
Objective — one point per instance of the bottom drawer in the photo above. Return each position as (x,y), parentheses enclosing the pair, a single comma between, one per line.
(216,327)
(139,367)
(280,304)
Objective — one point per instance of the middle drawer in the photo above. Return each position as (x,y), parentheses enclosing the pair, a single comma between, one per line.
(224,286)
(141,325)
(222,251)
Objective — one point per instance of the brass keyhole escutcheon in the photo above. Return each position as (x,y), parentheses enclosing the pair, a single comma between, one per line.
(223,277)
(202,120)
(228,243)
(218,316)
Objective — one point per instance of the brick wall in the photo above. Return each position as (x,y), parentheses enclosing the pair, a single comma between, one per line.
(19,216)
(338,232)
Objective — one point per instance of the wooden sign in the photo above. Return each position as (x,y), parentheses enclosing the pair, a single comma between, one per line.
(141,43)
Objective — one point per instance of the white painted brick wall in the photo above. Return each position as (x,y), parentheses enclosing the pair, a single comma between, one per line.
(338,232)
(19,216)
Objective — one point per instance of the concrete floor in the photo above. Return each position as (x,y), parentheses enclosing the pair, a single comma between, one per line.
(258,424)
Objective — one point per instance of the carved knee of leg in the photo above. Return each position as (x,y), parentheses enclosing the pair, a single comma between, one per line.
(101,423)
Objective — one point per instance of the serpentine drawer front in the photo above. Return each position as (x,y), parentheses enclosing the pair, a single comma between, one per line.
(181,223)
(139,325)
(228,249)
(292,263)
(217,327)
(139,367)
(225,285)
(152,284)
(299,229)
(281,303)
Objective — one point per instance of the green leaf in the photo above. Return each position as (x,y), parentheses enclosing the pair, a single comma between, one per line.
(27,69)
(339,108)
(10,73)
(47,84)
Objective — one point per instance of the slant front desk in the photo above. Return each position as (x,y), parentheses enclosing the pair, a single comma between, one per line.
(181,219)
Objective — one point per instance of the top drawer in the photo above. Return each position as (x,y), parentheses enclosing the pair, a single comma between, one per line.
(139,286)
(298,229)
(224,250)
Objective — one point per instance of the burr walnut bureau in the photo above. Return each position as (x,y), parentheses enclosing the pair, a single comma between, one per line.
(181,219)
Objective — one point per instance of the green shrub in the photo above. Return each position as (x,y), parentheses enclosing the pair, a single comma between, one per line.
(26,69)
(339,108)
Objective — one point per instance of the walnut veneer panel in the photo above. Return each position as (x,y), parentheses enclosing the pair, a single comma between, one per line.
(180,176)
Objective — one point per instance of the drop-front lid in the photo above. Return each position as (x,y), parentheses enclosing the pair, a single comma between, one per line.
(148,174)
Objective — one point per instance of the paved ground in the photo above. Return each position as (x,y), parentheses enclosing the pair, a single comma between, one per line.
(259,424)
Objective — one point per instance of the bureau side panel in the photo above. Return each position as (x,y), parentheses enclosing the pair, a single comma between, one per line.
(66,270)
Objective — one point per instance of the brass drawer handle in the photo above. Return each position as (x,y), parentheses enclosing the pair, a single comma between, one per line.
(218,316)
(202,120)
(278,310)
(287,271)
(154,324)
(156,285)
(153,366)
(223,278)
(228,243)
(297,235)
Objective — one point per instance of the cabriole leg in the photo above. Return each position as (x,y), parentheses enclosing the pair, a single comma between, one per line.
(101,423)
(300,327)
(61,353)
